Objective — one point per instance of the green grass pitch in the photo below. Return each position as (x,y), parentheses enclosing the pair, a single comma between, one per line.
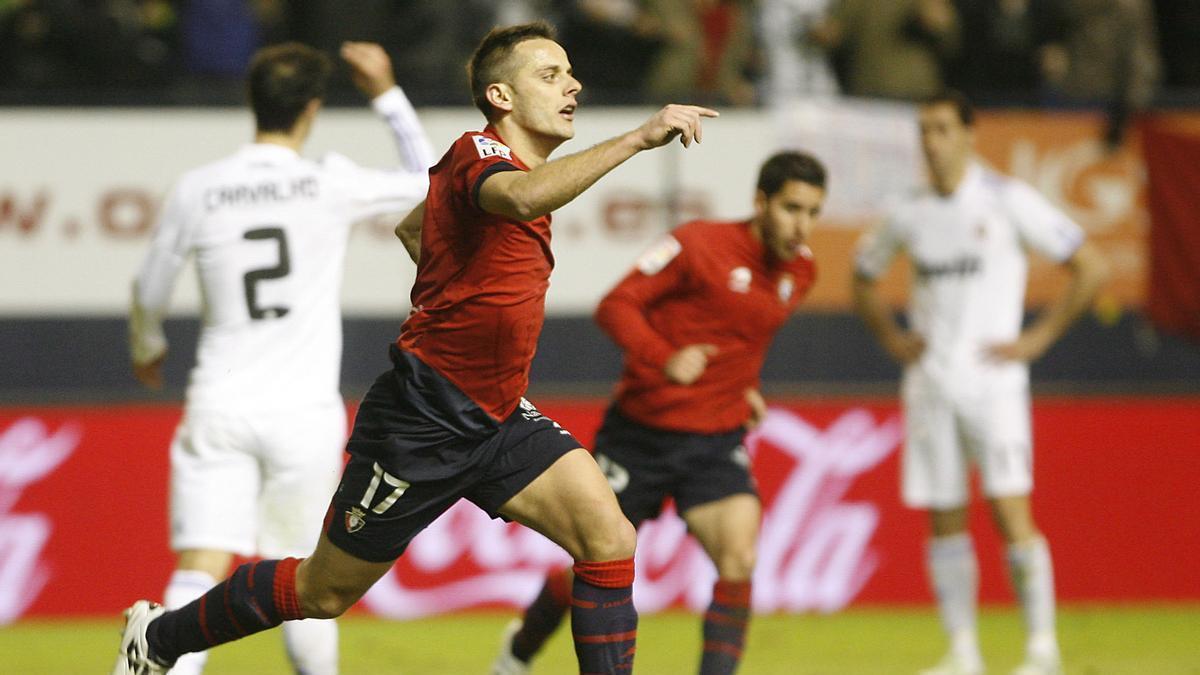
(1147,639)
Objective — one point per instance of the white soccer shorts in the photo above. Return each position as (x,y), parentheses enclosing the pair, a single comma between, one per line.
(255,483)
(987,426)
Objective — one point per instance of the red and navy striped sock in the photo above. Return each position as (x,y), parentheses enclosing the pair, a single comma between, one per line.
(257,596)
(543,616)
(725,627)
(603,619)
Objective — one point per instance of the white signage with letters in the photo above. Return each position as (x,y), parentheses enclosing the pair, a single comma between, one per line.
(79,191)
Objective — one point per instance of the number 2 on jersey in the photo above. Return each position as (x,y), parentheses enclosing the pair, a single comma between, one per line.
(254,276)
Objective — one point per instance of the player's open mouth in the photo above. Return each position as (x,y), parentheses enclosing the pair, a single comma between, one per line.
(568,112)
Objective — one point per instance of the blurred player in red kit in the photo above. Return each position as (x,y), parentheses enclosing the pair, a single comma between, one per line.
(695,317)
(449,420)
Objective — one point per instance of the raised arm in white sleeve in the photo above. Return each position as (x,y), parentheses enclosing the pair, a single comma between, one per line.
(378,192)
(415,149)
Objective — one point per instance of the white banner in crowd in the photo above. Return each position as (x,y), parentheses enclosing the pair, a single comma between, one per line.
(79,190)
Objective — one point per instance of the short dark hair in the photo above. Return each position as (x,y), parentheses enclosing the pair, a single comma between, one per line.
(962,104)
(486,64)
(790,165)
(282,80)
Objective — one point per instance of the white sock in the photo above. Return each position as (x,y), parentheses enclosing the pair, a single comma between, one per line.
(184,587)
(955,577)
(312,646)
(1033,580)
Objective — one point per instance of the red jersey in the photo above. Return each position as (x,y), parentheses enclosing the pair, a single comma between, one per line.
(479,296)
(707,282)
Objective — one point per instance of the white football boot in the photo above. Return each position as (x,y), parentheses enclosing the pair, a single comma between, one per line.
(1048,664)
(134,657)
(506,663)
(955,664)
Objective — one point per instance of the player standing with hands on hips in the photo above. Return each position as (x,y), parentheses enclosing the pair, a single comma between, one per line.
(259,447)
(449,419)
(965,390)
(695,318)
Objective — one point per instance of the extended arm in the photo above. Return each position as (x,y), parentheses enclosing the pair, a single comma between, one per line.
(1088,273)
(529,195)
(900,344)
(623,315)
(371,193)
(371,70)
(151,294)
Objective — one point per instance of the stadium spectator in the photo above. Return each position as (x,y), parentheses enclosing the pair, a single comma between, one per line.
(965,391)
(65,44)
(612,43)
(449,420)
(896,49)
(695,317)
(706,52)
(219,37)
(1178,24)
(264,422)
(1109,57)
(1014,44)
(430,40)
(795,66)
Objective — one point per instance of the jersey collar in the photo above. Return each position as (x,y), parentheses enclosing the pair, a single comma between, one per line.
(490,131)
(269,151)
(971,179)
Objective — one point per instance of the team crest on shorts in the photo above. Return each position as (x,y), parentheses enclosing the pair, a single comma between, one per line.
(529,412)
(740,456)
(355,519)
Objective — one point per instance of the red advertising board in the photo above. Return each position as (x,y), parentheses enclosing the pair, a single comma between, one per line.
(83,523)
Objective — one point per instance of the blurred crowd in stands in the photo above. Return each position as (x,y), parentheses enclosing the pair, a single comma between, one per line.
(1121,54)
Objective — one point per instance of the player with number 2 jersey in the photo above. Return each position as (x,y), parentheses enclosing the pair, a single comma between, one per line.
(259,447)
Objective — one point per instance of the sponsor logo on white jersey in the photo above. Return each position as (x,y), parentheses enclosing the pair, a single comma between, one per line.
(659,255)
(487,147)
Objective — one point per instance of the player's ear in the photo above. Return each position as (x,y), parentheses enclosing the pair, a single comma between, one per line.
(500,95)
(760,203)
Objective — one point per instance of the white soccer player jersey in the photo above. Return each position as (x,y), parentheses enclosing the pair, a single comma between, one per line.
(268,230)
(968,252)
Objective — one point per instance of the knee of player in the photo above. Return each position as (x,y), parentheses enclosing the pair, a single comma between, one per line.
(326,603)
(615,540)
(737,564)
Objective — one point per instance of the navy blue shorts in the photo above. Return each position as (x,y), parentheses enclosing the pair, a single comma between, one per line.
(645,465)
(418,445)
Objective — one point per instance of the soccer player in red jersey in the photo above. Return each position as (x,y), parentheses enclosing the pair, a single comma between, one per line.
(449,420)
(695,317)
